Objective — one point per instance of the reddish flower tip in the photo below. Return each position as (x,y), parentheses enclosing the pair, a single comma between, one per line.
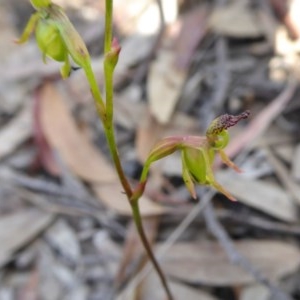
(115,45)
(225,121)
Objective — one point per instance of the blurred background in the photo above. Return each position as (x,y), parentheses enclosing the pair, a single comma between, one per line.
(65,225)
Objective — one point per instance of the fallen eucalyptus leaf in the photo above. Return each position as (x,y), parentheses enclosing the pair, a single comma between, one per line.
(236,20)
(207,263)
(261,195)
(17,229)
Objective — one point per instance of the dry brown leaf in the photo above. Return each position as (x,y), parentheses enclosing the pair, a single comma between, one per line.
(194,25)
(82,157)
(236,20)
(261,195)
(74,147)
(256,291)
(16,131)
(63,239)
(19,228)
(207,263)
(296,163)
(128,111)
(180,291)
(262,121)
(133,249)
(287,153)
(164,86)
(283,175)
(150,131)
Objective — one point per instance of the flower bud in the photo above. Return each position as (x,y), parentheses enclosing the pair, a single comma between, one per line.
(74,44)
(112,57)
(56,36)
(164,148)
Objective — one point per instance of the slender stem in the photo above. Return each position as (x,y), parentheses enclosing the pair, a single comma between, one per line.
(145,172)
(139,225)
(108,71)
(110,136)
(109,132)
(108,124)
(108,25)
(95,92)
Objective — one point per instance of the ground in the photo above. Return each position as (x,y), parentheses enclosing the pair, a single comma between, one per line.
(66,230)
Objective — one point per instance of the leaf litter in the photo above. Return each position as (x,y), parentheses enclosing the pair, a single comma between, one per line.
(220,56)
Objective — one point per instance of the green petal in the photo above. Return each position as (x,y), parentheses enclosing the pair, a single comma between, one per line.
(195,163)
(50,41)
(187,178)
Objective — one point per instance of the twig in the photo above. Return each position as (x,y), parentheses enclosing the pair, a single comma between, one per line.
(142,70)
(260,223)
(281,171)
(235,257)
(223,74)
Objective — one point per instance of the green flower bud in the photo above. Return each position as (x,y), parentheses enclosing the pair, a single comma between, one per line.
(164,148)
(112,57)
(56,36)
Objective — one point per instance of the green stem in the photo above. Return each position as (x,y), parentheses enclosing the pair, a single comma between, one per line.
(108,71)
(95,92)
(139,225)
(108,25)
(145,172)
(108,124)
(110,135)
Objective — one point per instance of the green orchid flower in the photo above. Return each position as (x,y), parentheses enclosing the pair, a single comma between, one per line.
(197,155)
(56,36)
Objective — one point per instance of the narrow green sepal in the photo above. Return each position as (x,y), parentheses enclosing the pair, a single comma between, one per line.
(186,176)
(164,147)
(28,30)
(73,42)
(65,70)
